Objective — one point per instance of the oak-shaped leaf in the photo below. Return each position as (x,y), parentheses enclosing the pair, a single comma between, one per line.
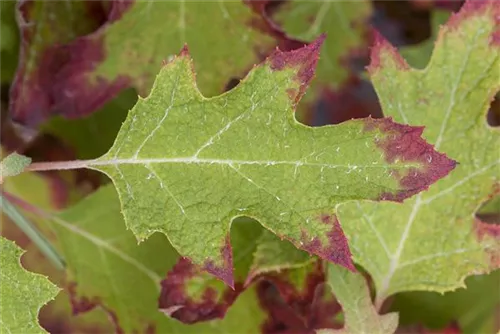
(186,165)
(432,241)
(22,293)
(75,76)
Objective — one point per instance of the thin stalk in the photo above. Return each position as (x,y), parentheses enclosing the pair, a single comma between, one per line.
(58,165)
(32,232)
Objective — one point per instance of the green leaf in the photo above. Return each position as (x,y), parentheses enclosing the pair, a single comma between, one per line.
(186,165)
(12,165)
(22,293)
(344,22)
(274,255)
(131,45)
(80,235)
(360,315)
(432,241)
(107,268)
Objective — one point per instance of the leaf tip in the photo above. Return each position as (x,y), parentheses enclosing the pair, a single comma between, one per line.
(304,59)
(404,143)
(383,48)
(478,7)
(223,271)
(336,249)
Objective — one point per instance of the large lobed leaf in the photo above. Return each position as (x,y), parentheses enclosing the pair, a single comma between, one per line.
(186,165)
(22,293)
(432,241)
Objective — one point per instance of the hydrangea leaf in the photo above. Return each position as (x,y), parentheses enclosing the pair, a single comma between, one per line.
(107,269)
(360,315)
(244,154)
(22,293)
(432,241)
(44,26)
(103,62)
(344,22)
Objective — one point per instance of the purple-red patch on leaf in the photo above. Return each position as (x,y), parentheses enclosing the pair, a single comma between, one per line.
(304,58)
(404,143)
(477,8)
(381,46)
(224,271)
(335,250)
(59,84)
(492,231)
(176,302)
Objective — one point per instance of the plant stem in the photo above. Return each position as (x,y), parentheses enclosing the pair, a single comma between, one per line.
(31,231)
(58,165)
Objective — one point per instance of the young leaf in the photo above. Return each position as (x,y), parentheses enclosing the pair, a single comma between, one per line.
(359,313)
(432,242)
(22,293)
(186,165)
(12,165)
(104,62)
